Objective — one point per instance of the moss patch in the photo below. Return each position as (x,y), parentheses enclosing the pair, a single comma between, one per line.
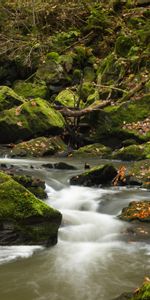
(94,149)
(30,90)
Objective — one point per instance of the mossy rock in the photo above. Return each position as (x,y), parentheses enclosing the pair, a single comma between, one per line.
(30,90)
(133,152)
(24,218)
(111,69)
(35,185)
(38,147)
(31,119)
(141,171)
(8,98)
(136,211)
(100,175)
(93,149)
(123,45)
(67,98)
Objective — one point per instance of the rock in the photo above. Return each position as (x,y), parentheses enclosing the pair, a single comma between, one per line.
(32,118)
(64,166)
(38,147)
(25,219)
(30,90)
(35,185)
(59,165)
(8,98)
(100,175)
(136,211)
(93,149)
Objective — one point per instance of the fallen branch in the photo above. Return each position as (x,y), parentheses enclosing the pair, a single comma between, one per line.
(68,112)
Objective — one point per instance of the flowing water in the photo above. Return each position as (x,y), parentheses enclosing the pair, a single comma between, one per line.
(93,260)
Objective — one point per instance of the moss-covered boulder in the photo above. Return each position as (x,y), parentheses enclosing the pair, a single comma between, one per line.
(100,175)
(141,171)
(8,98)
(28,120)
(25,219)
(136,211)
(30,90)
(38,147)
(133,152)
(93,149)
(35,185)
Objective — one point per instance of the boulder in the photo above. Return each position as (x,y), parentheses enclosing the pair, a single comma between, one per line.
(100,175)
(28,120)
(137,210)
(67,98)
(8,98)
(38,147)
(24,219)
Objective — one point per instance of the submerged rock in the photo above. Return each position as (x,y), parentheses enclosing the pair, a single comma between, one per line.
(24,219)
(96,176)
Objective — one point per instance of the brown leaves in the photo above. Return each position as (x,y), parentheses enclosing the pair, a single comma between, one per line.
(142,127)
(120,176)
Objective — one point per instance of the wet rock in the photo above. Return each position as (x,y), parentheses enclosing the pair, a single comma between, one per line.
(136,211)
(64,166)
(101,175)
(24,219)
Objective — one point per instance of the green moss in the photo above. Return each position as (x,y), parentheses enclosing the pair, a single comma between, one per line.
(30,90)
(87,89)
(30,119)
(8,98)
(123,45)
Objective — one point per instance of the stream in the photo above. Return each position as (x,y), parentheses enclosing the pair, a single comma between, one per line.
(94,259)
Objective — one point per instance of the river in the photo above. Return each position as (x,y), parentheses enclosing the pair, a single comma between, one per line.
(93,260)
